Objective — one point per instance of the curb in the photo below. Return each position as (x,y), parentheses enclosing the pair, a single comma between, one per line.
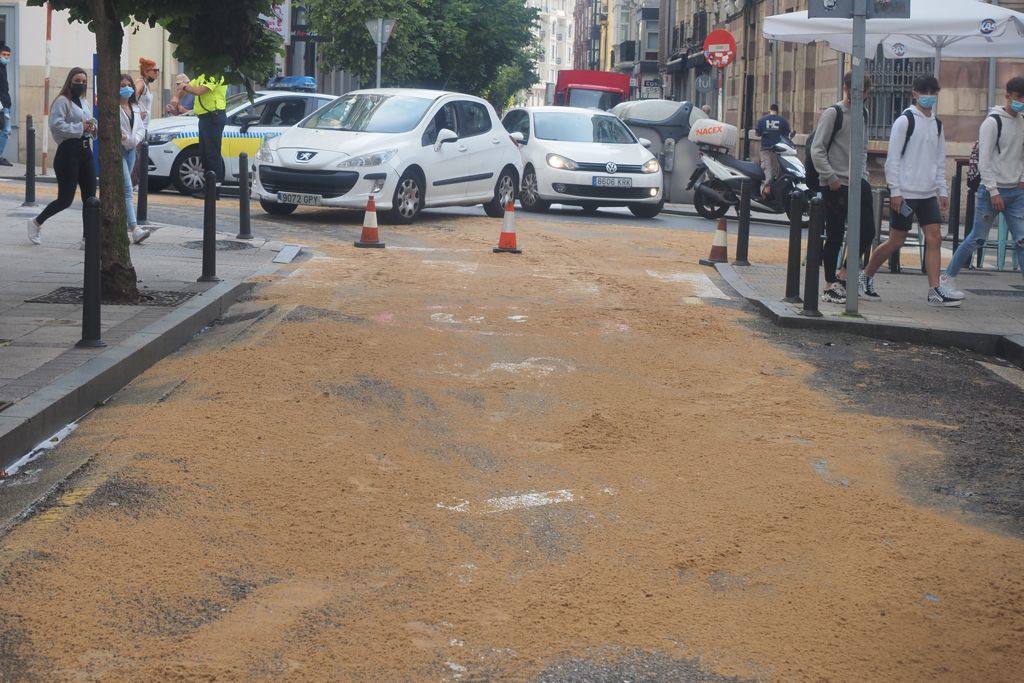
(1010,347)
(38,416)
(694,214)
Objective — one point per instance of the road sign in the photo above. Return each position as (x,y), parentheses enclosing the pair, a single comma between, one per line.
(719,48)
(843,9)
(650,89)
(381,29)
(705,83)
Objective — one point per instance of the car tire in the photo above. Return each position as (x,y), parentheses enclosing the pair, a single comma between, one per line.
(158,184)
(504,192)
(529,193)
(646,210)
(187,172)
(277,208)
(589,208)
(407,200)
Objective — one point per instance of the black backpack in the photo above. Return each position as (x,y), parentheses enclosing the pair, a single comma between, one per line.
(910,130)
(811,173)
(973,172)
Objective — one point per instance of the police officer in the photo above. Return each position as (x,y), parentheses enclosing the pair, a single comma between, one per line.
(210,102)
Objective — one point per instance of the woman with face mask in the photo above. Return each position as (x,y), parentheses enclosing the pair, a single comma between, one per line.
(73,128)
(133,132)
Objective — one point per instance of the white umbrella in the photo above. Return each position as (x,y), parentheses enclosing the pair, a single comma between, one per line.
(936,28)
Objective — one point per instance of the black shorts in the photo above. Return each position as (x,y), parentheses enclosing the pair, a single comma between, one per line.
(926,211)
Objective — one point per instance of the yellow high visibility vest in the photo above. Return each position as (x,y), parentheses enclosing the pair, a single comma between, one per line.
(215,100)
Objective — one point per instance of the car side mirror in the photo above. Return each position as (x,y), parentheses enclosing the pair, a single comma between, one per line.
(518,138)
(645,142)
(443,136)
(247,121)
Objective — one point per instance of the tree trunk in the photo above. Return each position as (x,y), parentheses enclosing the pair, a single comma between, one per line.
(119,281)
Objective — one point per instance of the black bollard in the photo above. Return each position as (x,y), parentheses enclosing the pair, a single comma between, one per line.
(743,230)
(814,230)
(244,222)
(210,230)
(30,163)
(142,212)
(796,225)
(91,280)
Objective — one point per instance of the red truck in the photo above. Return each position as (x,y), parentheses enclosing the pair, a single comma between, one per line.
(591,89)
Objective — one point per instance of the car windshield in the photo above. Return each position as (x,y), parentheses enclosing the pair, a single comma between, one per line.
(575,127)
(371,114)
(593,99)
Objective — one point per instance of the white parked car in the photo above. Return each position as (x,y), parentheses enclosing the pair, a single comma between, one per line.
(174,140)
(410,148)
(586,158)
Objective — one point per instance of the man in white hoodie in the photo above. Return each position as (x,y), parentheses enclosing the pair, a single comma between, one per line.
(1001,165)
(915,170)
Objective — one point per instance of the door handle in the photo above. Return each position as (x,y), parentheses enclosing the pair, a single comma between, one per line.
(463,148)
(495,141)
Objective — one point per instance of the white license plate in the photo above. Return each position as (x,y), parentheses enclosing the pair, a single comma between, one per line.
(299,198)
(600,181)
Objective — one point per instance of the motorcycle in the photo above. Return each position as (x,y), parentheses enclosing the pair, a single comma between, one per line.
(717,179)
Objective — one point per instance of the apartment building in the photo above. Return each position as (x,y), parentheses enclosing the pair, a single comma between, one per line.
(634,29)
(555,36)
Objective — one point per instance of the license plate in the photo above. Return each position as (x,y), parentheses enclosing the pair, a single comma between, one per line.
(299,198)
(600,181)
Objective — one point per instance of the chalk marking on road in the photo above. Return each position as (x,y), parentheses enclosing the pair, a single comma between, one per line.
(464,267)
(538,366)
(517,318)
(693,301)
(446,318)
(701,283)
(461,506)
(520,501)
(429,249)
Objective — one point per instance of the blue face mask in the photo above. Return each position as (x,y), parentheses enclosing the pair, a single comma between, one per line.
(4,60)
(927,101)
(126,92)
(1017,106)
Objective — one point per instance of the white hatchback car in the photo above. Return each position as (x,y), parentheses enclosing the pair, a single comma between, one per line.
(410,148)
(586,158)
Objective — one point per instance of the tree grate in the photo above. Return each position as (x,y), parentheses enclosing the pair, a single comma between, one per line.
(222,245)
(73,295)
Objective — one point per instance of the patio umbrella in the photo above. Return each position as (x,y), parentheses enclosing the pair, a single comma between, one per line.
(936,28)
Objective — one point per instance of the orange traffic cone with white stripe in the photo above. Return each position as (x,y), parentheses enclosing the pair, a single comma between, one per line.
(370,238)
(507,239)
(719,246)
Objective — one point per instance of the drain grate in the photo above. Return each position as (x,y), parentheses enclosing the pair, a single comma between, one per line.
(222,245)
(73,295)
(1018,294)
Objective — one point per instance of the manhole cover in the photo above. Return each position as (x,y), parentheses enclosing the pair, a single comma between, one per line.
(73,295)
(998,292)
(222,245)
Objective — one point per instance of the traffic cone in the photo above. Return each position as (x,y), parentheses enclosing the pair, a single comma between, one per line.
(719,246)
(370,239)
(507,239)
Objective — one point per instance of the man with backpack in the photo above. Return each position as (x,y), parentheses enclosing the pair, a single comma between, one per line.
(915,170)
(828,169)
(1000,153)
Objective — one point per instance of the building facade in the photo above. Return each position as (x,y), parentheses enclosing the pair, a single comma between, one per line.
(591,48)
(556,38)
(634,29)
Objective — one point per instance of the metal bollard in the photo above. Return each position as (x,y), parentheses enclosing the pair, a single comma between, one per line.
(814,230)
(244,217)
(142,212)
(30,163)
(796,225)
(91,280)
(743,230)
(210,230)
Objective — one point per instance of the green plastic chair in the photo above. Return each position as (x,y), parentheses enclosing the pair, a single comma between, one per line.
(1002,247)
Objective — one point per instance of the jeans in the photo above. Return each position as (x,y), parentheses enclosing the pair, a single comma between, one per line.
(74,168)
(211,133)
(5,131)
(835,225)
(984,218)
(127,163)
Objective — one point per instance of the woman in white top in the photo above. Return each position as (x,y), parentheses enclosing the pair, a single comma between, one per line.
(133,132)
(148,74)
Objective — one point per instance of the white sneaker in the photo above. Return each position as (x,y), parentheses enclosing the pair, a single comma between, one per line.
(948,284)
(33,231)
(940,297)
(139,235)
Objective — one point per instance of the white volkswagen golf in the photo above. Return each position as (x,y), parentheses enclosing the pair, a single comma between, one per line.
(586,158)
(410,148)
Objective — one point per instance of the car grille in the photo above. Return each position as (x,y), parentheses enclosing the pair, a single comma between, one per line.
(600,168)
(330,184)
(605,192)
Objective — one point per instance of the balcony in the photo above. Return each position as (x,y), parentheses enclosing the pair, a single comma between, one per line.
(625,52)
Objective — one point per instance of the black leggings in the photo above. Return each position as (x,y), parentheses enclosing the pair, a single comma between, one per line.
(74,167)
(835,225)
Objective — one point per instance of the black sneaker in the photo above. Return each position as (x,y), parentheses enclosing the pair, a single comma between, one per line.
(938,296)
(4,162)
(866,288)
(836,294)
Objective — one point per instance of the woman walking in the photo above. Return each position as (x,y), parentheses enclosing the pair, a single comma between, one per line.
(133,131)
(72,127)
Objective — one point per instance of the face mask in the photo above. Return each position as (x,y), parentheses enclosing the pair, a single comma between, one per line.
(78,89)
(927,101)
(1017,106)
(126,92)
(4,60)
(149,80)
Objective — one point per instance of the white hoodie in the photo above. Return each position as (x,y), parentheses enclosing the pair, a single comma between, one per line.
(1002,168)
(919,173)
(135,130)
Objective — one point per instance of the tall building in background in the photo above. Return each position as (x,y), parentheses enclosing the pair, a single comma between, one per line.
(590,18)
(633,29)
(555,36)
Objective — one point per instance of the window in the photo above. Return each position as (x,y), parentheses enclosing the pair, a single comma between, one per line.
(651,33)
(892,81)
(252,110)
(444,118)
(573,127)
(518,121)
(284,111)
(371,114)
(474,119)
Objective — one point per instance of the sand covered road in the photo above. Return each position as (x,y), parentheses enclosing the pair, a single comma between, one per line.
(437,463)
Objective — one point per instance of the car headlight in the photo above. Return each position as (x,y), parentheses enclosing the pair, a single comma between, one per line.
(561,163)
(265,155)
(652,166)
(372,159)
(162,137)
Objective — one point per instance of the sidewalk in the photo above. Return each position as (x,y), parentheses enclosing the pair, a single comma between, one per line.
(990,320)
(45,382)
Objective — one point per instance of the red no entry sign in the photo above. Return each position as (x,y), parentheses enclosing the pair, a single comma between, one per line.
(719,48)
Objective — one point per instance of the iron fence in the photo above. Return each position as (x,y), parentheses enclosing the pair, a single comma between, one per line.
(892,82)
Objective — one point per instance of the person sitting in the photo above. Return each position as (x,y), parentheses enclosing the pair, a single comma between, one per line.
(771,128)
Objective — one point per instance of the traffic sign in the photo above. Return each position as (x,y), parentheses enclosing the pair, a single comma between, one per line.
(719,48)
(705,83)
(381,29)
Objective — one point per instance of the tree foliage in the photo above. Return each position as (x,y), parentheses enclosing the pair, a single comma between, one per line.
(458,45)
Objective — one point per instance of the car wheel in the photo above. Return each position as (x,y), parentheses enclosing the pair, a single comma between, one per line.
(709,210)
(187,173)
(646,210)
(158,184)
(408,199)
(529,193)
(504,192)
(277,208)
(589,208)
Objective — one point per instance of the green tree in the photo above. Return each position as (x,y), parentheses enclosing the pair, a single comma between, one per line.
(452,44)
(220,37)
(513,78)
